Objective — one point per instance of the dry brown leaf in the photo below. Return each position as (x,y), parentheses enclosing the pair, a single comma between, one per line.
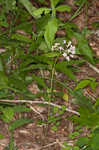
(34,88)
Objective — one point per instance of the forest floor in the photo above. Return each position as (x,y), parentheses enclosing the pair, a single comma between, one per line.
(41,137)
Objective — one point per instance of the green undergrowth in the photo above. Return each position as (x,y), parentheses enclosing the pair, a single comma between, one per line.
(27,49)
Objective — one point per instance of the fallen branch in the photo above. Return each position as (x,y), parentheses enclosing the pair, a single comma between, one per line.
(40,102)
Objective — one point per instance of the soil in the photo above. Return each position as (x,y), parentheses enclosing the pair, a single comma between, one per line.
(41,137)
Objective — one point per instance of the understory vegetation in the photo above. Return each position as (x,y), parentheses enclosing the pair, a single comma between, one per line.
(42,50)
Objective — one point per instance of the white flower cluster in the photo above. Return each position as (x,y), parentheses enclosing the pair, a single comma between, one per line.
(67,49)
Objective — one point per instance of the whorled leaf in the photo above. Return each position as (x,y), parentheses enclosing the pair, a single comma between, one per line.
(39,11)
(18,123)
(8,114)
(62,67)
(83,47)
(28,5)
(50,31)
(63,8)
(82,84)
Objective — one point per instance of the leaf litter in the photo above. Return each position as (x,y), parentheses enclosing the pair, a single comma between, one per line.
(36,136)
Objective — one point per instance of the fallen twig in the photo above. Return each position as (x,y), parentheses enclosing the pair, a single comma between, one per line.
(57,142)
(40,102)
(51,144)
(32,108)
(93,67)
(60,143)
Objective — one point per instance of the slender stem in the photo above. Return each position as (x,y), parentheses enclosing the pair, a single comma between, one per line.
(53,8)
(77,11)
(52,76)
(51,88)
(86,7)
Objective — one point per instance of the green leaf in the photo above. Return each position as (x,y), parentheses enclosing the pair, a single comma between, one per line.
(1,65)
(92,79)
(8,114)
(65,97)
(21,37)
(3,20)
(63,108)
(37,66)
(96,130)
(39,81)
(54,128)
(17,82)
(93,85)
(96,25)
(82,84)
(28,5)
(41,24)
(20,109)
(74,134)
(80,99)
(3,80)
(76,148)
(1,136)
(95,142)
(88,118)
(39,11)
(50,31)
(82,141)
(63,8)
(83,47)
(69,73)
(55,110)
(19,123)
(44,60)
(11,143)
(52,54)
(55,2)
(61,67)
(44,2)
